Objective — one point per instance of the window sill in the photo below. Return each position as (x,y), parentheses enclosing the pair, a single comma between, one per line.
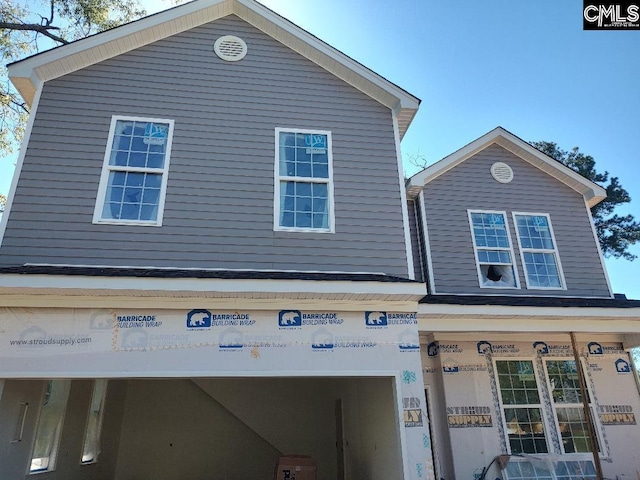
(134,223)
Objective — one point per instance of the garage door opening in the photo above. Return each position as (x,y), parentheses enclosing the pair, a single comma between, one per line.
(217,428)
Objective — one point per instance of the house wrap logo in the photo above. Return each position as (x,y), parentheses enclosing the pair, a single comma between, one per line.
(199,319)
(622,15)
(375,319)
(289,318)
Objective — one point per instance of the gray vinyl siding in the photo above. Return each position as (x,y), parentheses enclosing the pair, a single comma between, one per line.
(219,202)
(471,186)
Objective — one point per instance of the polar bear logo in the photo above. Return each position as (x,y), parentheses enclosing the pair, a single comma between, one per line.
(541,347)
(432,349)
(484,347)
(595,348)
(290,318)
(322,339)
(136,338)
(376,318)
(622,366)
(199,319)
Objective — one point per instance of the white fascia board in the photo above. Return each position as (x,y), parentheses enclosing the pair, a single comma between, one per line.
(84,283)
(514,312)
(592,192)
(519,325)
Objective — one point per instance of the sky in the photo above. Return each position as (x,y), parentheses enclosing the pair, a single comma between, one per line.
(527,66)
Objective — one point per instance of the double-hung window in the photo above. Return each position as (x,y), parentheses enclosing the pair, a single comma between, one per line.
(134,174)
(493,250)
(303,181)
(538,250)
(568,406)
(521,406)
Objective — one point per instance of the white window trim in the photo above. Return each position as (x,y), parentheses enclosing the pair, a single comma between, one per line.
(555,252)
(278,178)
(510,250)
(592,407)
(106,168)
(540,405)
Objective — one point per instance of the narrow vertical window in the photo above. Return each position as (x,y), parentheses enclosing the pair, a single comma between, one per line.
(521,406)
(49,427)
(91,444)
(303,181)
(493,249)
(134,174)
(567,402)
(538,250)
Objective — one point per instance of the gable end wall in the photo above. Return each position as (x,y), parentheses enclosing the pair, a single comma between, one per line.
(471,186)
(219,203)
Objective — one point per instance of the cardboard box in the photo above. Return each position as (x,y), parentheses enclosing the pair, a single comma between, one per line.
(295,467)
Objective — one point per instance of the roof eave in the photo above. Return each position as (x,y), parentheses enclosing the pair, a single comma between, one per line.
(592,192)
(29,73)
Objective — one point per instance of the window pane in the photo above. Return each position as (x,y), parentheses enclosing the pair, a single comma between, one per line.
(490,230)
(563,378)
(303,205)
(91,445)
(573,428)
(542,270)
(525,430)
(304,155)
(128,192)
(139,144)
(49,426)
(534,231)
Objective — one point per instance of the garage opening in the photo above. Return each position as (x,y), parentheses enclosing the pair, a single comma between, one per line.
(210,428)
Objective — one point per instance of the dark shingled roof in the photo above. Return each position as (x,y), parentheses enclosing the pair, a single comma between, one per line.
(619,302)
(89,271)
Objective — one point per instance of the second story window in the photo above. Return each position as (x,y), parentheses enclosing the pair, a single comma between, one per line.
(493,249)
(303,181)
(538,251)
(134,174)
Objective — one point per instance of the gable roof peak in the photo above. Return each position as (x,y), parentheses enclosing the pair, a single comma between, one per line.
(28,75)
(592,192)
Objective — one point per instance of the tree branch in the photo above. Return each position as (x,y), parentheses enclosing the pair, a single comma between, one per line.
(34,27)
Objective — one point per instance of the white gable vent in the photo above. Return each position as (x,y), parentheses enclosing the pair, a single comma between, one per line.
(501,172)
(230,48)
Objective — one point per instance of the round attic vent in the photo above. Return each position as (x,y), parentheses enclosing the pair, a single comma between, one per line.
(230,48)
(501,172)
